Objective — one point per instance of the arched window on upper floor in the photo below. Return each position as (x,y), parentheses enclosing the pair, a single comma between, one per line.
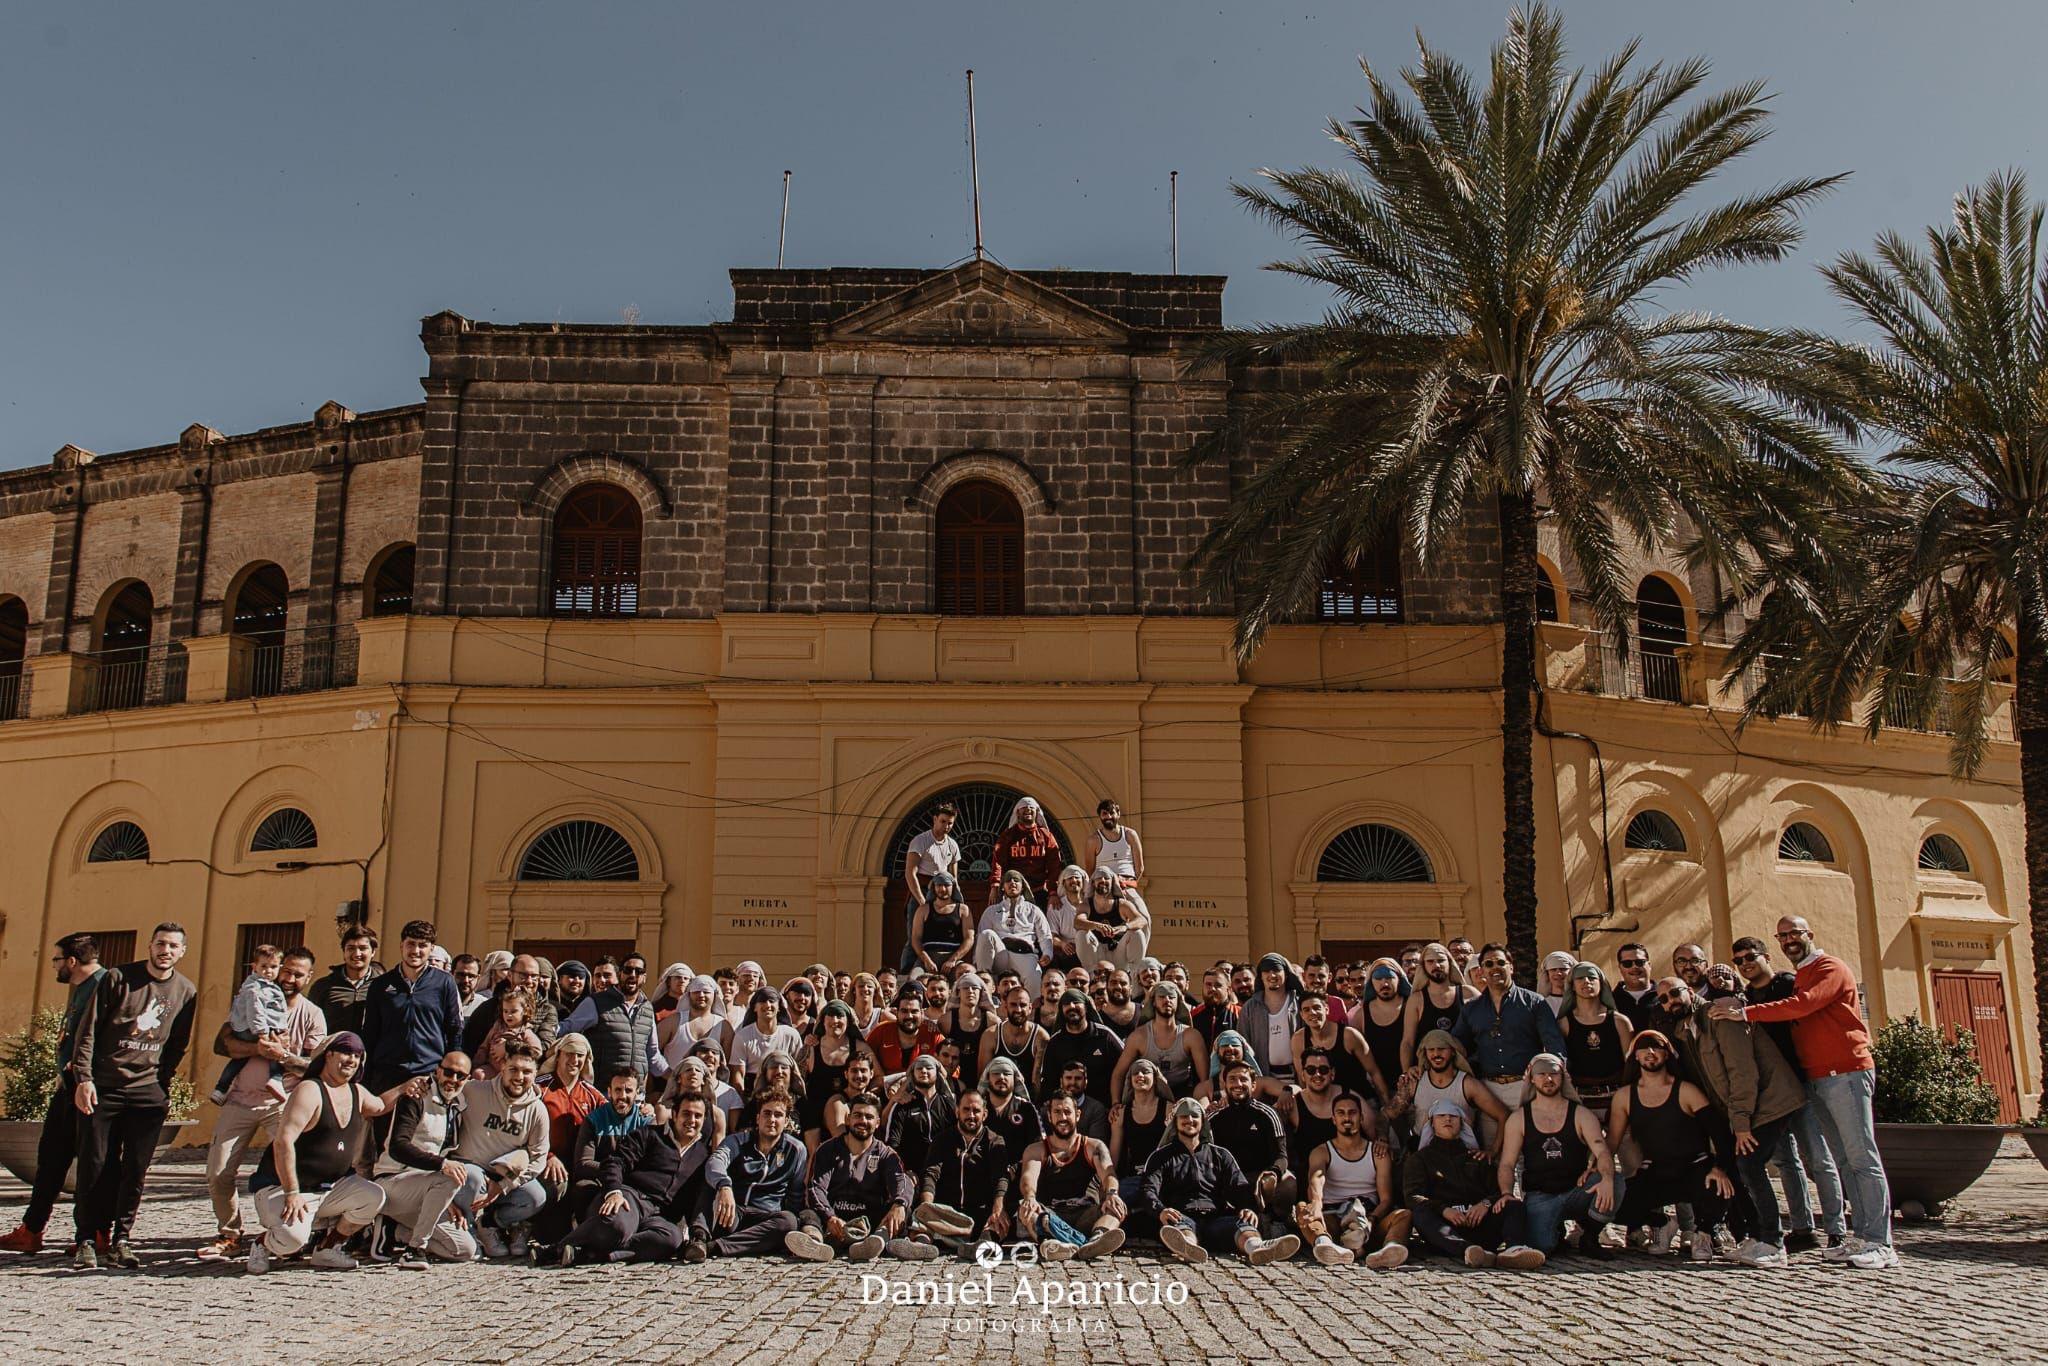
(978,570)
(13,652)
(596,554)
(1368,590)
(387,591)
(1373,853)
(1660,634)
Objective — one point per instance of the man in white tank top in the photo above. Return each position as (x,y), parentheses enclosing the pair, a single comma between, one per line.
(1349,1189)
(1114,844)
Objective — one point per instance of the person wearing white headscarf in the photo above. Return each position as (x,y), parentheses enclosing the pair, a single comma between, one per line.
(1014,935)
(1556,984)
(696,1019)
(1028,845)
(1068,898)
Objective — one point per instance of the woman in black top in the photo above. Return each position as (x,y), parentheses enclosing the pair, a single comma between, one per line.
(1138,1120)
(969,1018)
(1596,1035)
(824,1066)
(942,933)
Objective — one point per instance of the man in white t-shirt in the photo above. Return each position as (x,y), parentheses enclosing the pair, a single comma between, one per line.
(932,853)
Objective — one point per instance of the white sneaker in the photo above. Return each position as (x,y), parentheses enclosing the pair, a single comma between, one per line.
(1388,1257)
(1519,1259)
(1756,1252)
(1263,1251)
(1331,1254)
(1848,1248)
(518,1244)
(1099,1244)
(910,1250)
(259,1258)
(806,1246)
(866,1249)
(1053,1250)
(490,1240)
(1180,1241)
(1662,1240)
(332,1259)
(1477,1256)
(1875,1257)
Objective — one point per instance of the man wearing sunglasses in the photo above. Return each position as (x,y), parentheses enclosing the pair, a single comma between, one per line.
(424,1132)
(1636,993)
(1503,1028)
(1802,1151)
(619,1023)
(1834,1050)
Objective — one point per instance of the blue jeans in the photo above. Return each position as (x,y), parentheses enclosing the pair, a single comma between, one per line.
(1803,1153)
(512,1208)
(1547,1212)
(1851,1132)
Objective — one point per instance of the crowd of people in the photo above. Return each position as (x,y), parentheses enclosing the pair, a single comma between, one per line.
(1027,1073)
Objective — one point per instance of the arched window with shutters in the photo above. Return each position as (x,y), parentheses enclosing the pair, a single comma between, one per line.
(1941,853)
(979,568)
(596,554)
(121,842)
(283,829)
(1802,842)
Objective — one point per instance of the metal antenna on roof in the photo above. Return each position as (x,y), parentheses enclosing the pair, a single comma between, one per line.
(1173,215)
(974,164)
(782,234)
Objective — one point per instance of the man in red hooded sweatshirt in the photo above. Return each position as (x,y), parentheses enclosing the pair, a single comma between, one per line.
(1834,1049)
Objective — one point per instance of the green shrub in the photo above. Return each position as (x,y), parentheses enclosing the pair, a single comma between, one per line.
(28,1058)
(1923,1078)
(29,1071)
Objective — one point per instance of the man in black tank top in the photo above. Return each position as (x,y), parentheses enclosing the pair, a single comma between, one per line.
(306,1182)
(1680,1134)
(1567,1167)
(1437,1005)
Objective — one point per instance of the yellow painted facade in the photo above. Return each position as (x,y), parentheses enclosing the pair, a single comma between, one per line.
(759,765)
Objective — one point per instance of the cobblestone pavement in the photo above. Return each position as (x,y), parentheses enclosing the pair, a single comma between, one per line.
(1969,1292)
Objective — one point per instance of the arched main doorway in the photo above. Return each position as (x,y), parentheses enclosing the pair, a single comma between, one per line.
(983,813)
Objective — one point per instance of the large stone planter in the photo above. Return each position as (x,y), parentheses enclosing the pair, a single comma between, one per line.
(1927,1165)
(2037,1139)
(19,1138)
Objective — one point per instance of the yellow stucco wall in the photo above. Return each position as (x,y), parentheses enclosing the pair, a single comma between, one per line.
(759,766)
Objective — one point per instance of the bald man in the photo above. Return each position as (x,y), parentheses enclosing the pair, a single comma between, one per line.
(524,976)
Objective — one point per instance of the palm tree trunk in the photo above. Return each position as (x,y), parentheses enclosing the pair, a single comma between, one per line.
(1518,573)
(2030,679)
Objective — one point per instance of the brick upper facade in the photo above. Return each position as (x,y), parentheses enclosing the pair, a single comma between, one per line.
(790,460)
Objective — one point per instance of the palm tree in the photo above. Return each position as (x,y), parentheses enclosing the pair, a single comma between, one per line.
(1926,579)
(1495,339)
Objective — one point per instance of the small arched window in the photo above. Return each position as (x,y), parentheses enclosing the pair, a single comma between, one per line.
(126,623)
(121,842)
(979,567)
(285,828)
(13,651)
(1942,854)
(1660,634)
(579,851)
(1374,853)
(596,554)
(1653,830)
(389,592)
(1803,842)
(1367,590)
(1549,596)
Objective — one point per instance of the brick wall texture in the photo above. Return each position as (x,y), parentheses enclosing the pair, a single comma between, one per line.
(791,460)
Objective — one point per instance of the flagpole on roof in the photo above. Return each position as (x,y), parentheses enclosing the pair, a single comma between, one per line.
(974,164)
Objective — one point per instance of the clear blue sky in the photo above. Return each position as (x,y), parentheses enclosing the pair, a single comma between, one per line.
(229,214)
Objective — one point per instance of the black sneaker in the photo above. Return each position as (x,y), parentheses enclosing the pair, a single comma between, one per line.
(84,1257)
(408,1258)
(1836,1239)
(541,1254)
(124,1257)
(1589,1244)
(694,1251)
(1801,1240)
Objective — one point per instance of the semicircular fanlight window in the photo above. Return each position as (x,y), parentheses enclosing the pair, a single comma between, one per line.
(1653,830)
(121,842)
(1941,854)
(1803,843)
(1374,853)
(579,851)
(286,828)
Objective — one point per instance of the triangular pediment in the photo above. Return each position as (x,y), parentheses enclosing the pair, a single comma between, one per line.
(979,302)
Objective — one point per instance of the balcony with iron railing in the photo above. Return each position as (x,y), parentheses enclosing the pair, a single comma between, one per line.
(311,659)
(14,693)
(122,680)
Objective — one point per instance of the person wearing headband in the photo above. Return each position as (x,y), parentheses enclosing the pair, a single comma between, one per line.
(1596,1034)
(1442,1076)
(1557,968)
(1027,846)
(1014,935)
(1452,1188)
(1567,1166)
(1200,1197)
(1675,1126)
(942,929)
(698,1018)
(1438,1001)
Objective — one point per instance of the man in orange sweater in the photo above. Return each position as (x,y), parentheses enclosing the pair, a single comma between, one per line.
(1834,1051)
